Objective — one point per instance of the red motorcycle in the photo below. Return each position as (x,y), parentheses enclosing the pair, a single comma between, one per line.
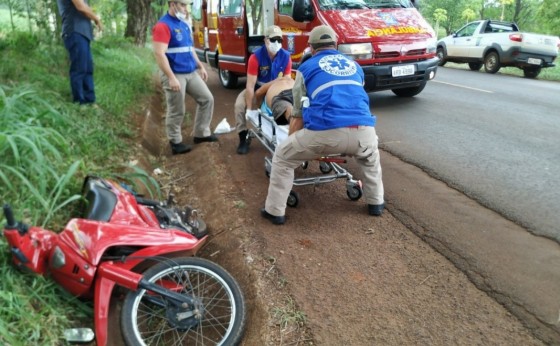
(147,248)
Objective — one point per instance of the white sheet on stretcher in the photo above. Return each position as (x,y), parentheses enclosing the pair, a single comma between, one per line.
(266,125)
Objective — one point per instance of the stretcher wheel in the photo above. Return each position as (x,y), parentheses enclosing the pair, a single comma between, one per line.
(354,192)
(293,199)
(325,167)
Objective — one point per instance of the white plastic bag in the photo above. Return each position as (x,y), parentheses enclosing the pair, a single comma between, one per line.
(223,127)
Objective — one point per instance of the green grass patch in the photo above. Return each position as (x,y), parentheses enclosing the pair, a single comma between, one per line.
(48,145)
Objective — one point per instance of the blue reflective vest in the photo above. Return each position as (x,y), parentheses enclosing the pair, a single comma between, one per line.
(180,48)
(271,69)
(335,90)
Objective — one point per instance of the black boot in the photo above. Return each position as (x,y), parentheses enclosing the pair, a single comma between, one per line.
(243,147)
(179,148)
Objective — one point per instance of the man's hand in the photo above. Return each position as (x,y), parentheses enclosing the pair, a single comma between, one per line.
(251,113)
(203,73)
(174,84)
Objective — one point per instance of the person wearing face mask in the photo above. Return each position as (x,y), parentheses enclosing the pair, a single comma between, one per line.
(266,64)
(182,73)
(330,115)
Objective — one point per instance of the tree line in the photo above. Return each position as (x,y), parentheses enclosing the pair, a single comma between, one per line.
(446,16)
(134,18)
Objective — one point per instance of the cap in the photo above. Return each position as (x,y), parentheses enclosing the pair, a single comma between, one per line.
(273,31)
(322,34)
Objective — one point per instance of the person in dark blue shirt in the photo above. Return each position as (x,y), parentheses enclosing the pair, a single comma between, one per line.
(77,33)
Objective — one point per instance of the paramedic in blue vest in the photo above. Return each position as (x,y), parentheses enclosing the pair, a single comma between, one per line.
(77,33)
(182,73)
(267,63)
(331,115)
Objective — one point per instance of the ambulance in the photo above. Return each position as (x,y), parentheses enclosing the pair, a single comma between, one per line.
(390,39)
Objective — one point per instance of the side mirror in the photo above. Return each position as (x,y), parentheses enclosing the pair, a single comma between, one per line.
(302,11)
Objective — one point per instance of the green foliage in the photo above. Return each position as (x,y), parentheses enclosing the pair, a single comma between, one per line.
(47,146)
(541,16)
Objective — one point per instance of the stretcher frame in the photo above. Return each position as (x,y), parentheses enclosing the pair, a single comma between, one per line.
(270,134)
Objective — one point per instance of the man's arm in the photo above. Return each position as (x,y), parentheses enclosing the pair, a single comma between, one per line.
(161,59)
(260,94)
(250,90)
(199,65)
(88,12)
(298,91)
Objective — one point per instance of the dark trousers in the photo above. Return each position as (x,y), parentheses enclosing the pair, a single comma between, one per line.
(81,68)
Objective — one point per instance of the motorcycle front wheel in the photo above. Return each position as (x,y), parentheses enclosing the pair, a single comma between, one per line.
(145,318)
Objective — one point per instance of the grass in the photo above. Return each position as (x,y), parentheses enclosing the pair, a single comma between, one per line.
(288,315)
(47,146)
(550,73)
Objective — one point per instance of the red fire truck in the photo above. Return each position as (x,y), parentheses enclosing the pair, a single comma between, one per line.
(390,39)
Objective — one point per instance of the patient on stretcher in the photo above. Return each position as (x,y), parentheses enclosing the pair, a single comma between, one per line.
(278,99)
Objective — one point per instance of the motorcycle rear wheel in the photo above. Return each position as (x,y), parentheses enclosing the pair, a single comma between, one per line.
(223,321)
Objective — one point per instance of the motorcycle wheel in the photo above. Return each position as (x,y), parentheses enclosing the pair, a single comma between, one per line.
(223,321)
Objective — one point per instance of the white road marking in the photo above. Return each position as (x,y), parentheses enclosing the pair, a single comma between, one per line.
(463,86)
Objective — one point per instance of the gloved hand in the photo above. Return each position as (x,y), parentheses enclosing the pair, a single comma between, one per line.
(251,113)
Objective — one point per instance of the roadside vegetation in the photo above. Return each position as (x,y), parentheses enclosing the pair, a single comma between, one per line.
(47,146)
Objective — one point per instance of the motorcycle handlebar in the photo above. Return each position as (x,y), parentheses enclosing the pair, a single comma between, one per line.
(148,202)
(9,217)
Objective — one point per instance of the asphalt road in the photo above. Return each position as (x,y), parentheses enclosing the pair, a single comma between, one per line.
(496,138)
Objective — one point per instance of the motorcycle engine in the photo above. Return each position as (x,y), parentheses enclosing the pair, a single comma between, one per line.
(186,220)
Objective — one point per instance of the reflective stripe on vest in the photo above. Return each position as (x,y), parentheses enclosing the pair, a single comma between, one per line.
(333,83)
(179,50)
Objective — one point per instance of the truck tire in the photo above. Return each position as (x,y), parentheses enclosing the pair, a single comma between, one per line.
(531,72)
(228,79)
(475,66)
(492,62)
(409,92)
(440,53)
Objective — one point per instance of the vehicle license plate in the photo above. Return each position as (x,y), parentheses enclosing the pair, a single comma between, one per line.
(405,70)
(534,61)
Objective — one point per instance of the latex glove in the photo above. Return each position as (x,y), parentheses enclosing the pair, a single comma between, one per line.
(251,113)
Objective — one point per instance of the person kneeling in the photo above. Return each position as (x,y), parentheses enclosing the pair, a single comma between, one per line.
(325,122)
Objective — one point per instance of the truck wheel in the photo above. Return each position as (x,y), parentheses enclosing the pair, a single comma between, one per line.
(475,66)
(409,92)
(531,72)
(441,55)
(228,79)
(492,62)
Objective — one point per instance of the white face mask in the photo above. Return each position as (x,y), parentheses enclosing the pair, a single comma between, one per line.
(274,47)
(181,16)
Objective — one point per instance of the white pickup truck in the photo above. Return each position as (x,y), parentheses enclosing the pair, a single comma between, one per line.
(497,44)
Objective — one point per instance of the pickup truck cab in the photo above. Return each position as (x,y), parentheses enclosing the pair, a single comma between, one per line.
(390,39)
(495,44)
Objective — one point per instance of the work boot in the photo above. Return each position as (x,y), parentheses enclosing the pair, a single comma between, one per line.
(243,147)
(179,148)
(376,209)
(211,138)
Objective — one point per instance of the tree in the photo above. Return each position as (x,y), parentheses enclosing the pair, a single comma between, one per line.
(138,20)
(504,3)
(549,15)
(468,15)
(440,16)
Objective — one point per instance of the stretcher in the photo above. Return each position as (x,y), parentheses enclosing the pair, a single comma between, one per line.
(270,134)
